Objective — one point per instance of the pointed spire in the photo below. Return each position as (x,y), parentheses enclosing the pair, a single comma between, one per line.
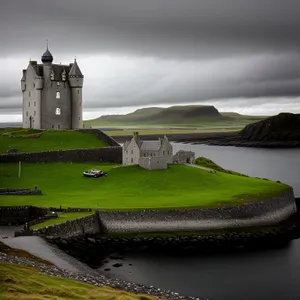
(75,70)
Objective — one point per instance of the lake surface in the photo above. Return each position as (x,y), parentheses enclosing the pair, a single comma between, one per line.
(269,274)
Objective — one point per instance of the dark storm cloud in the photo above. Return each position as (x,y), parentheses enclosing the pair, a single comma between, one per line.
(218,48)
(169,28)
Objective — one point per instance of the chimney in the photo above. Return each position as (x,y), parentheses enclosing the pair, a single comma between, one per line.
(136,137)
(24,72)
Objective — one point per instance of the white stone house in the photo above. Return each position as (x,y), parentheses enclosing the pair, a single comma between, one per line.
(148,154)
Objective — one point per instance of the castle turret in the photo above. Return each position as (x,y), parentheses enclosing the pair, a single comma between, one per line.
(76,84)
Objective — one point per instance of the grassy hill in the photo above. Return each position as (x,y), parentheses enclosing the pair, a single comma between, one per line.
(190,115)
(29,140)
(132,187)
(22,282)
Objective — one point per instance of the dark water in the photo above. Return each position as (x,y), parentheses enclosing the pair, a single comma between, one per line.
(269,274)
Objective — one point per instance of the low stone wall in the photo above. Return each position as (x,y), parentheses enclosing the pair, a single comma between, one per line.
(101,136)
(19,191)
(107,154)
(86,225)
(20,214)
(258,213)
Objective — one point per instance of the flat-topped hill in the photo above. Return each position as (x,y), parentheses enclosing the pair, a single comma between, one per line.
(32,140)
(183,116)
(132,187)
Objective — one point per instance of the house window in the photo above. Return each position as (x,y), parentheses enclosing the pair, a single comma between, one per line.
(34,85)
(52,75)
(57,95)
(151,154)
(79,118)
(34,113)
(28,104)
(34,103)
(144,154)
(57,111)
(168,152)
(58,126)
(78,92)
(58,83)
(27,113)
(52,126)
(132,160)
(126,151)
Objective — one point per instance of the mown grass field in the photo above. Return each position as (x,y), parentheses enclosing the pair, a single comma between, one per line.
(62,217)
(26,283)
(132,187)
(49,140)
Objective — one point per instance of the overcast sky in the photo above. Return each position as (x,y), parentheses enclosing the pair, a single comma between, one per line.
(239,55)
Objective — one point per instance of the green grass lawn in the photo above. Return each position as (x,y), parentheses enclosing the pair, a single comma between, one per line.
(62,217)
(50,140)
(26,283)
(131,187)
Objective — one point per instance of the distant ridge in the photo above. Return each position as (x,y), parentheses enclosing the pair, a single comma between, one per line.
(171,115)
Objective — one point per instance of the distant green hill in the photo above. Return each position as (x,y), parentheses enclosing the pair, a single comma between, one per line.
(174,115)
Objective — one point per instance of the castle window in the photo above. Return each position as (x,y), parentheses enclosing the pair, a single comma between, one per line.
(132,160)
(57,95)
(168,152)
(57,111)
(79,118)
(63,76)
(34,85)
(58,83)
(52,75)
(34,113)
(58,126)
(34,103)
(27,113)
(28,104)
(131,151)
(29,94)
(78,92)
(163,152)
(52,126)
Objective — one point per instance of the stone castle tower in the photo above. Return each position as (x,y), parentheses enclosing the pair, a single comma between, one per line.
(52,95)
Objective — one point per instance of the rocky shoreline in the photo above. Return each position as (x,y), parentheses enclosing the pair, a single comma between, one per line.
(96,280)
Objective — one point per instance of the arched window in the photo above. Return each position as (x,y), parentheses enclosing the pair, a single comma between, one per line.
(58,95)
(57,111)
(52,75)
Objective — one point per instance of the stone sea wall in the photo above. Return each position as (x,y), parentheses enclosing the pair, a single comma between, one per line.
(258,213)
(85,225)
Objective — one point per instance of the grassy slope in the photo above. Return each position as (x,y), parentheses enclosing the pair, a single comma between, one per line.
(207,163)
(51,140)
(21,282)
(132,187)
(62,217)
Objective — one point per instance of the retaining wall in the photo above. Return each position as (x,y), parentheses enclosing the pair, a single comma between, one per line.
(89,224)
(107,154)
(258,213)
(20,214)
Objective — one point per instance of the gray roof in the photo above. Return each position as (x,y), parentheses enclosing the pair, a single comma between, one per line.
(57,69)
(150,145)
(75,70)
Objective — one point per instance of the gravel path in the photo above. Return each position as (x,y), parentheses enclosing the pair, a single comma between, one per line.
(200,167)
